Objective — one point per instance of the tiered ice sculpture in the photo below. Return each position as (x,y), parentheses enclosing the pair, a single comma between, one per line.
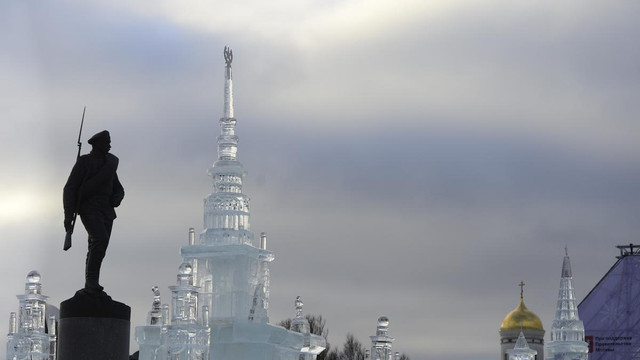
(229,271)
(567,331)
(521,351)
(30,336)
(381,342)
(187,336)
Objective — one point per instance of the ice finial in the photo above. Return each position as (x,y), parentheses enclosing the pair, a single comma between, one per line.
(383,322)
(383,326)
(33,286)
(185,274)
(566,265)
(228,56)
(299,305)
(228,86)
(33,277)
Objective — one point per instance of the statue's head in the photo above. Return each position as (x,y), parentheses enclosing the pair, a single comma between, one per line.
(101,141)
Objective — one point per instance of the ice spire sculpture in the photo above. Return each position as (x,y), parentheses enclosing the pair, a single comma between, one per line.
(381,342)
(567,331)
(225,275)
(30,336)
(521,351)
(231,271)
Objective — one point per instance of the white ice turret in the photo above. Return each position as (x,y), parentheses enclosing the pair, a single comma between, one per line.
(188,335)
(184,298)
(30,336)
(381,343)
(521,351)
(567,331)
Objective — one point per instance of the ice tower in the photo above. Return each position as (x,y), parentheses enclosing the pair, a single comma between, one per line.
(227,266)
(229,269)
(381,343)
(31,334)
(567,331)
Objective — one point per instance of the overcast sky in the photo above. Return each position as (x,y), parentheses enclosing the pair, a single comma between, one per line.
(414,159)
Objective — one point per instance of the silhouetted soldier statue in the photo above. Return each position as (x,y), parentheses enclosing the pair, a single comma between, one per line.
(93,191)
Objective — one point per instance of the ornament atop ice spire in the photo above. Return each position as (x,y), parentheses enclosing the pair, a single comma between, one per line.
(228,85)
(228,141)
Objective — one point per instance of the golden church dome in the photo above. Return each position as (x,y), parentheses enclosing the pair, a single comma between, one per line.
(521,318)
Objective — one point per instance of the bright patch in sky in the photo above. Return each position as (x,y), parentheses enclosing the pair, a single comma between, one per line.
(20,204)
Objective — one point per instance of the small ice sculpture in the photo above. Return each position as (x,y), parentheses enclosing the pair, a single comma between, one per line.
(381,342)
(29,337)
(521,351)
(299,323)
(299,305)
(149,337)
(185,297)
(155,314)
(186,338)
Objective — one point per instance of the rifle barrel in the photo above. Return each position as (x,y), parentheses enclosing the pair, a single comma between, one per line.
(80,132)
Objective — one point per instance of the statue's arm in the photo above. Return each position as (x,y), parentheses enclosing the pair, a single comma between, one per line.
(72,187)
(118,192)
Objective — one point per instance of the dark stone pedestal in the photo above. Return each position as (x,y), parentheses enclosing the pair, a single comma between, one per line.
(93,327)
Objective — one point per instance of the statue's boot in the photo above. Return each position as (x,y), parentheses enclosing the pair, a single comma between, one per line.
(92,274)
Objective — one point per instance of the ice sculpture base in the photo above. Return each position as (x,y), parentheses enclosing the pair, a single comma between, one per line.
(93,326)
